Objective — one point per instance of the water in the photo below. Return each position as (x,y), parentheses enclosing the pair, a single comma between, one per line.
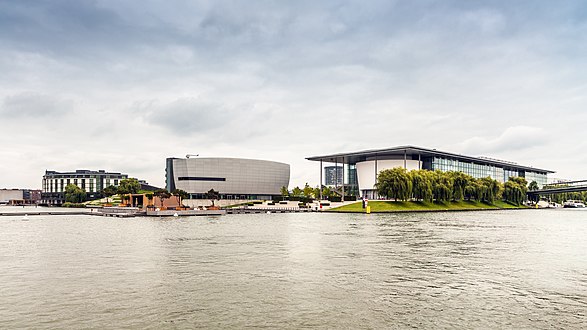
(497,269)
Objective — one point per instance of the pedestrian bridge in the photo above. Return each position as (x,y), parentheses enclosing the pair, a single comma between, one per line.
(561,187)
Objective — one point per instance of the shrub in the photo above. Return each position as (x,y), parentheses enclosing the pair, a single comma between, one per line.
(78,205)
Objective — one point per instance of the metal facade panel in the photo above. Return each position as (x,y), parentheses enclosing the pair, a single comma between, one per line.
(242,176)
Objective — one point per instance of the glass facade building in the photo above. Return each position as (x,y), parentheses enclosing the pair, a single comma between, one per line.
(361,168)
(499,173)
(93,182)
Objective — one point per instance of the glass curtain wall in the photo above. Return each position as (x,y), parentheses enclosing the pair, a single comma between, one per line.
(482,171)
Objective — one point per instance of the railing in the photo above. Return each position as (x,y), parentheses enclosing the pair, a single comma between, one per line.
(561,187)
(567,184)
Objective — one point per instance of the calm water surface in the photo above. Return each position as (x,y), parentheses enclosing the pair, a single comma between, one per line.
(498,269)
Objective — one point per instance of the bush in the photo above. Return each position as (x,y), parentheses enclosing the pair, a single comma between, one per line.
(78,205)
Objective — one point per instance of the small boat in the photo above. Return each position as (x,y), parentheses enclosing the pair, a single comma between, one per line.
(553,205)
(573,204)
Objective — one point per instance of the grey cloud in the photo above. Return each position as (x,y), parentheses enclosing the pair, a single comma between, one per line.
(185,116)
(34,105)
(512,139)
(331,75)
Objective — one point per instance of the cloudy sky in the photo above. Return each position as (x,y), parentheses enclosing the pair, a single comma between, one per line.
(122,85)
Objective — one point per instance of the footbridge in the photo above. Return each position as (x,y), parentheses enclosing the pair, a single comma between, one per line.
(561,187)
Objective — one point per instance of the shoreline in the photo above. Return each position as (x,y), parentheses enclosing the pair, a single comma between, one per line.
(418,207)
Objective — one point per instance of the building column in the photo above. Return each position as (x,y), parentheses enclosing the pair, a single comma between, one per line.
(419,161)
(405,159)
(336,174)
(320,185)
(342,179)
(376,173)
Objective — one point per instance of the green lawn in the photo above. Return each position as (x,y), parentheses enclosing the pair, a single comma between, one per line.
(387,206)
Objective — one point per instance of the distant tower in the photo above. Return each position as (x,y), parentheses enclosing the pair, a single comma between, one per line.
(333,175)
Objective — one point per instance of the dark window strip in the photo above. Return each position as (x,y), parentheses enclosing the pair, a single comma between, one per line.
(199,178)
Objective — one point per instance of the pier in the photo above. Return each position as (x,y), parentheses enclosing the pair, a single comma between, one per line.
(242,210)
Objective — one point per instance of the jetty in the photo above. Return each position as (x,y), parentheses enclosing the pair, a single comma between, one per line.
(246,210)
(9,214)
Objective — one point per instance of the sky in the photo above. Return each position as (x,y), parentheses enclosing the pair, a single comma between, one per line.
(122,85)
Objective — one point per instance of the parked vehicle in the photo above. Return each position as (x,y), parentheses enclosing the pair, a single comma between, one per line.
(573,204)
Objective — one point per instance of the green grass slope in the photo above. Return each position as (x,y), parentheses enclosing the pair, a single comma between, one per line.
(399,206)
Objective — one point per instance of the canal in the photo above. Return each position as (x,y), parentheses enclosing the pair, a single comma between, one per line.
(493,269)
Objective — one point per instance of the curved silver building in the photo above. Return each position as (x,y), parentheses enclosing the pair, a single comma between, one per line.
(233,178)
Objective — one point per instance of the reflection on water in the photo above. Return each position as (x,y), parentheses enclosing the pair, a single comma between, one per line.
(507,269)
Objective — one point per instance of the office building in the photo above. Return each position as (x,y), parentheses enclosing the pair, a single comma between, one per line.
(360,169)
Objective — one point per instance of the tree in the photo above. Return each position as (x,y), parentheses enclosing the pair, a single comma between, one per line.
(326,192)
(307,191)
(212,195)
(149,198)
(316,192)
(422,185)
(472,190)
(442,184)
(109,191)
(181,195)
(460,181)
(533,186)
(74,194)
(515,190)
(128,186)
(163,194)
(284,191)
(491,190)
(394,183)
(296,191)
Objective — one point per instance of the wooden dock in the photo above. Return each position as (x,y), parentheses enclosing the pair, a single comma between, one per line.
(22,214)
(184,213)
(242,210)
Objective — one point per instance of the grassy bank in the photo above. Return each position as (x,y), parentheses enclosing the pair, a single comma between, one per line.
(388,206)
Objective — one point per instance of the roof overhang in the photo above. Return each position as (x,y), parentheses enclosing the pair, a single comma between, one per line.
(359,156)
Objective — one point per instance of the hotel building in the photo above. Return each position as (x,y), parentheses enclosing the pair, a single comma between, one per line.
(93,182)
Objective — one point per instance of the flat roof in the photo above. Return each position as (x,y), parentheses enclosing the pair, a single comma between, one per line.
(359,156)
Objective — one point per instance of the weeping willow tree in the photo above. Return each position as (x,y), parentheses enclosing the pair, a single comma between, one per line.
(515,190)
(422,185)
(394,183)
(443,186)
(460,181)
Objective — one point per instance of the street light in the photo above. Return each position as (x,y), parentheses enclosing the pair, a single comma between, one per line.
(189,155)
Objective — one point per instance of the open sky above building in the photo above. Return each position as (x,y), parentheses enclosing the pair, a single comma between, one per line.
(122,85)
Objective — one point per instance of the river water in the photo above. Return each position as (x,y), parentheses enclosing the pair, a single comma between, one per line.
(493,269)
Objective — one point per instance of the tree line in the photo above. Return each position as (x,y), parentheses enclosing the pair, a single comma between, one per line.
(428,186)
(75,194)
